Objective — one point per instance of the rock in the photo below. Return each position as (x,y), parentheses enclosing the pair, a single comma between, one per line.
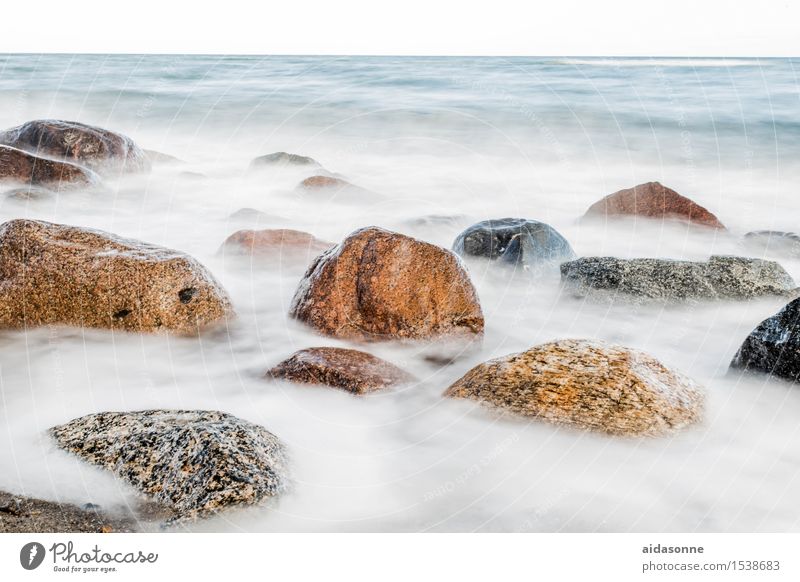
(653,200)
(161,159)
(195,462)
(20,166)
(351,370)
(437,220)
(253,216)
(774,241)
(282,159)
(29,193)
(321,182)
(669,280)
(276,244)
(586,384)
(515,241)
(774,346)
(381,285)
(57,274)
(79,143)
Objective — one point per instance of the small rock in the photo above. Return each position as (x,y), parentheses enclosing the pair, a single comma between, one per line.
(57,274)
(29,193)
(653,200)
(274,244)
(283,159)
(87,145)
(161,159)
(774,346)
(774,241)
(526,243)
(381,285)
(253,216)
(322,182)
(586,384)
(351,370)
(194,462)
(17,165)
(669,280)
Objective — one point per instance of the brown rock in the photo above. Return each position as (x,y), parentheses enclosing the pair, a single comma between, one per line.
(319,182)
(71,141)
(586,384)
(653,200)
(56,274)
(351,370)
(277,243)
(381,285)
(19,166)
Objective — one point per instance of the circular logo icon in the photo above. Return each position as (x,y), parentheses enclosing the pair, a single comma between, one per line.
(31,555)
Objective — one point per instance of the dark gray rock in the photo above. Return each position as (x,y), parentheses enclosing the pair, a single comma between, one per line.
(282,159)
(774,346)
(774,242)
(516,241)
(193,462)
(669,280)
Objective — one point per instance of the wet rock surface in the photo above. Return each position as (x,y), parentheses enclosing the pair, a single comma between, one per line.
(656,201)
(351,370)
(192,461)
(774,346)
(57,274)
(588,385)
(720,277)
(274,244)
(23,167)
(781,243)
(381,285)
(87,145)
(515,241)
(283,159)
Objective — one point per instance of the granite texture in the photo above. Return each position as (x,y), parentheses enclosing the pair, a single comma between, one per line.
(381,285)
(23,167)
(588,385)
(57,274)
(194,462)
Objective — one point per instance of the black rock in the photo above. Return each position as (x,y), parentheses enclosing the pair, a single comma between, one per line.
(774,346)
(517,241)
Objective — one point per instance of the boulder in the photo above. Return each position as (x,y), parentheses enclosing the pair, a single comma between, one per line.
(195,462)
(87,145)
(23,167)
(351,370)
(777,242)
(275,244)
(669,280)
(381,285)
(774,346)
(283,159)
(586,384)
(57,274)
(653,200)
(520,242)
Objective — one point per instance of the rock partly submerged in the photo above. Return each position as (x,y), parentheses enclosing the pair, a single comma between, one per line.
(351,370)
(381,285)
(87,145)
(774,346)
(588,385)
(721,277)
(58,274)
(654,201)
(283,160)
(22,167)
(777,242)
(529,244)
(194,462)
(275,244)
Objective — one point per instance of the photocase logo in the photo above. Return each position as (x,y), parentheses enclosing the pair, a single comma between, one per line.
(31,555)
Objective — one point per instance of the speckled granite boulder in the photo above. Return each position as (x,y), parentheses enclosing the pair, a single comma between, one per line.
(19,166)
(655,201)
(57,274)
(774,346)
(526,243)
(668,280)
(87,145)
(195,462)
(589,385)
(283,159)
(351,370)
(274,244)
(774,242)
(381,285)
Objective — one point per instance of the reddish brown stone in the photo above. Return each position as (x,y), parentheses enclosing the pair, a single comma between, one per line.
(19,166)
(351,370)
(653,200)
(381,285)
(274,243)
(318,182)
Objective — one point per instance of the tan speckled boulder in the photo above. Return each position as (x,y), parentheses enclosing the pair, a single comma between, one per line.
(381,285)
(87,145)
(351,370)
(274,244)
(25,168)
(56,274)
(589,385)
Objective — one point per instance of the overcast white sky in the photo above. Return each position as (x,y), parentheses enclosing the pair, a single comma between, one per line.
(486,27)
